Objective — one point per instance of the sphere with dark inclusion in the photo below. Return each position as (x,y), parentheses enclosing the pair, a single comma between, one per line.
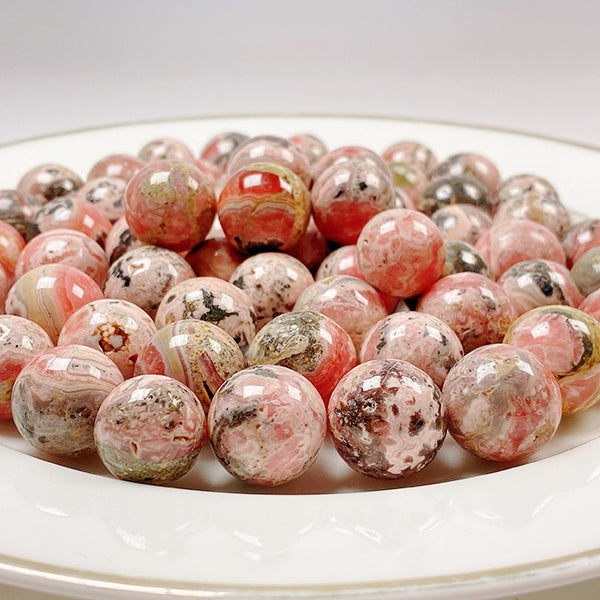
(386,419)
(196,353)
(534,283)
(502,403)
(220,147)
(462,257)
(455,189)
(567,341)
(267,424)
(469,163)
(49,181)
(18,209)
(57,395)
(346,195)
(150,429)
(307,342)
(586,271)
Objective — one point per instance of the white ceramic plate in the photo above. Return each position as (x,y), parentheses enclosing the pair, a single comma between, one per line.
(460,529)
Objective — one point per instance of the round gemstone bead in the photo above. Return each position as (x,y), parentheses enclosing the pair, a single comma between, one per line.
(502,403)
(267,424)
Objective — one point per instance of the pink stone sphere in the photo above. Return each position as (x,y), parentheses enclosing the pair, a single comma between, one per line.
(401,252)
(267,424)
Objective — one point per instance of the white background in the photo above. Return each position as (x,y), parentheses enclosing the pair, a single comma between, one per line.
(521,64)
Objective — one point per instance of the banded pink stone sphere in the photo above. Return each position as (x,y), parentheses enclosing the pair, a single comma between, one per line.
(267,424)
(57,395)
(170,204)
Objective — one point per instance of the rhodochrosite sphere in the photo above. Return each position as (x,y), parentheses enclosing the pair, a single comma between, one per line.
(170,204)
(264,206)
(401,252)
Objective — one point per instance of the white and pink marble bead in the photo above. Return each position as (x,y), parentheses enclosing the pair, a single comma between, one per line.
(502,403)
(273,281)
(347,154)
(220,147)
(580,238)
(150,429)
(477,309)
(462,222)
(49,181)
(346,195)
(418,338)
(74,213)
(386,419)
(567,341)
(50,294)
(107,194)
(401,252)
(351,302)
(123,166)
(67,247)
(144,275)
(196,353)
(512,241)
(538,282)
(307,342)
(213,300)
(313,147)
(115,327)
(56,398)
(170,204)
(412,152)
(166,148)
(21,340)
(267,424)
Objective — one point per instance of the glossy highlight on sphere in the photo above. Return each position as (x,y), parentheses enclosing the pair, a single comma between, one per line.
(401,252)
(213,300)
(50,294)
(386,419)
(196,353)
(267,424)
(502,403)
(351,302)
(264,206)
(476,308)
(170,204)
(117,328)
(150,429)
(21,340)
(307,342)
(57,395)
(418,338)
(567,341)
